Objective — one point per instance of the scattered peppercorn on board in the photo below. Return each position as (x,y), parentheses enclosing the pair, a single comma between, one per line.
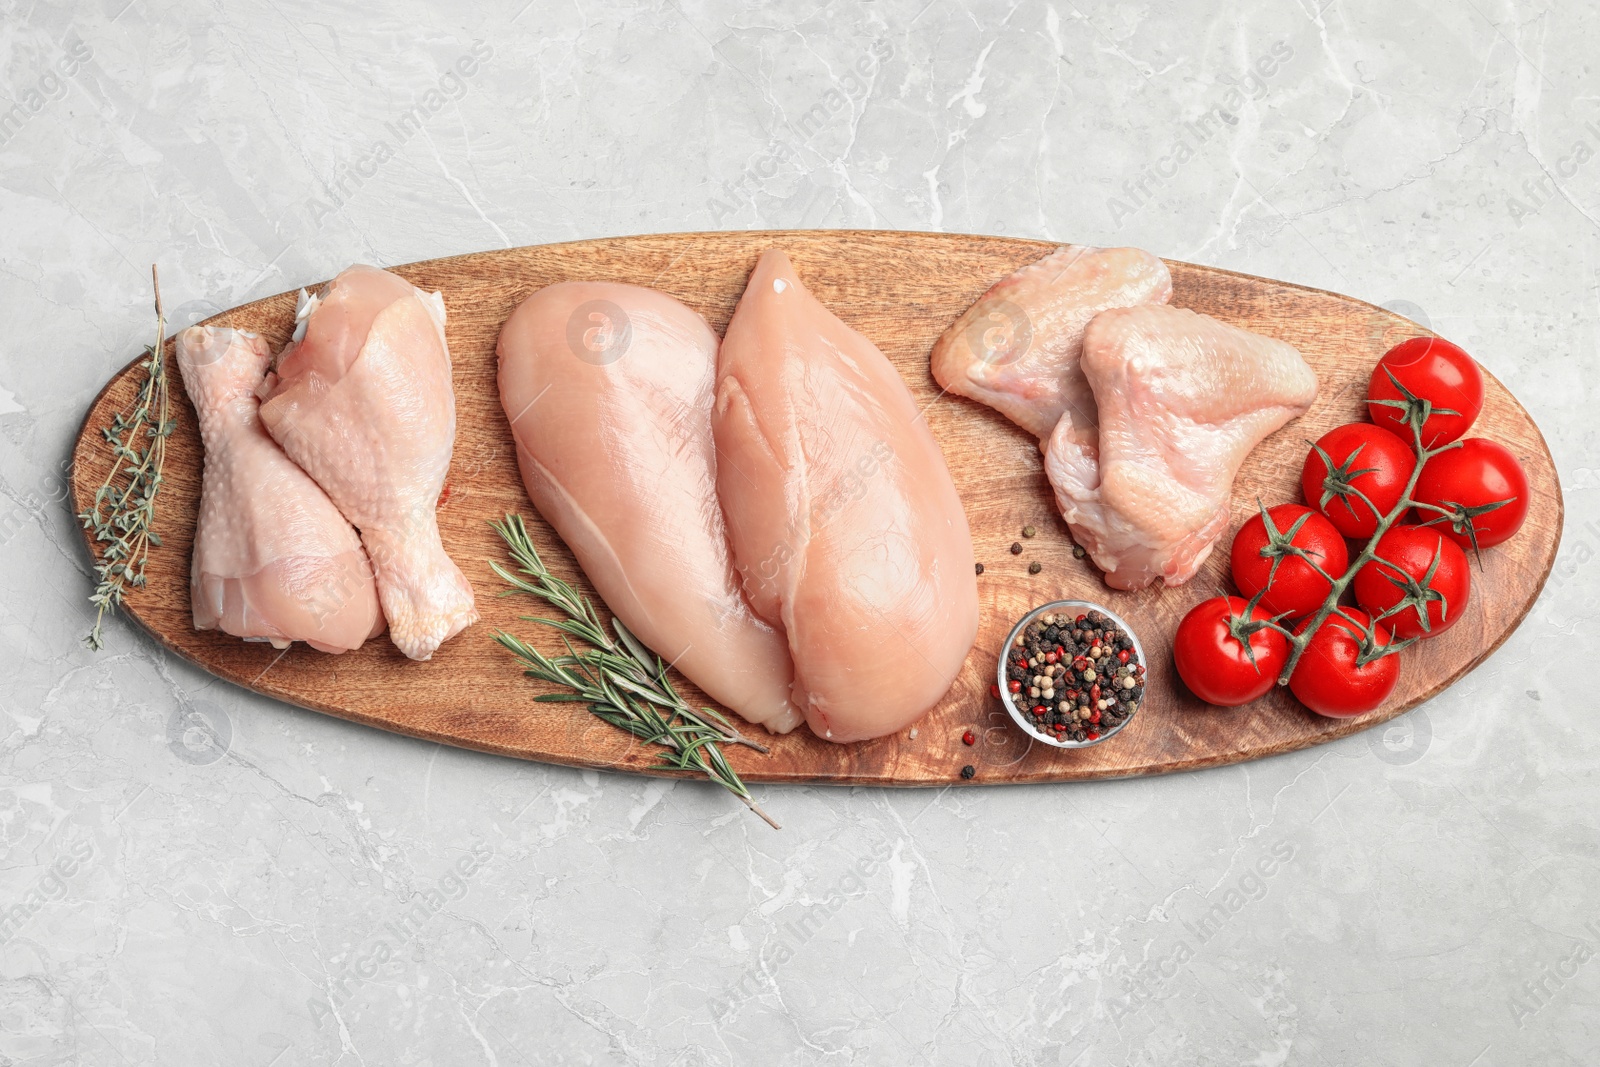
(901,290)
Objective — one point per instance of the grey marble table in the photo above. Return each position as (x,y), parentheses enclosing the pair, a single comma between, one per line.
(299,890)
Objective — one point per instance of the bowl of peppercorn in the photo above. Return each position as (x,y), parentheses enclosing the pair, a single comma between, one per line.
(1072,674)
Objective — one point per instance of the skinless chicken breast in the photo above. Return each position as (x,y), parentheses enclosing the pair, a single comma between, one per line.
(609,390)
(845,524)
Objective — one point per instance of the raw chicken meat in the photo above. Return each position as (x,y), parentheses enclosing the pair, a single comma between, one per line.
(1017,348)
(273,558)
(608,388)
(362,400)
(845,524)
(1183,399)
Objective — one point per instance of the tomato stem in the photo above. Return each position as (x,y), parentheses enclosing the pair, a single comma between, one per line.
(1330,605)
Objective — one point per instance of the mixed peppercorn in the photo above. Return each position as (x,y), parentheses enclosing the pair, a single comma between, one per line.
(1075,678)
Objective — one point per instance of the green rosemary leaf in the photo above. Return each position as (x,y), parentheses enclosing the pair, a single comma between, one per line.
(622,682)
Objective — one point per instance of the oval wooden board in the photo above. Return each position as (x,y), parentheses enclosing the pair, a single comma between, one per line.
(901,290)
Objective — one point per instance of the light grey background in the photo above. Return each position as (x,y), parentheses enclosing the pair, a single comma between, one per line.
(1432,895)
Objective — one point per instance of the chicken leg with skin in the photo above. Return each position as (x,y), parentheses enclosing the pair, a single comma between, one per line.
(273,558)
(1182,400)
(363,401)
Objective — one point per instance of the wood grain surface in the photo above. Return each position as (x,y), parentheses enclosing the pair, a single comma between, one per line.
(901,290)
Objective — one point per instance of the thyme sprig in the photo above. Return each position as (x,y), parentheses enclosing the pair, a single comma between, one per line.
(123,515)
(622,682)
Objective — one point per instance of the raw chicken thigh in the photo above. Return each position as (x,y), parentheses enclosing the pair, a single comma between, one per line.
(273,558)
(845,523)
(1183,399)
(609,388)
(364,403)
(1017,348)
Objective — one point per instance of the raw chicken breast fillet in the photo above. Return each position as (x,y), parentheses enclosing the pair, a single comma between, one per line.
(609,388)
(1017,348)
(1183,399)
(364,403)
(846,526)
(273,558)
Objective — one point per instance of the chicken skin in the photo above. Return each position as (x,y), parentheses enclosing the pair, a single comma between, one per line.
(273,558)
(363,401)
(1182,400)
(1017,349)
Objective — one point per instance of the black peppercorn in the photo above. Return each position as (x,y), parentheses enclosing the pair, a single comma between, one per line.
(968,771)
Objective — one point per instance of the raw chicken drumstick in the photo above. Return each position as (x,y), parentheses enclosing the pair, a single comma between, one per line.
(273,558)
(364,403)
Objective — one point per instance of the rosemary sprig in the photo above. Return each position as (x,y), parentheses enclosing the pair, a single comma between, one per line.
(123,514)
(622,682)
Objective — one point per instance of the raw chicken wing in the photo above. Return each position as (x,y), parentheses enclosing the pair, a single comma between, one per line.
(1183,399)
(846,526)
(1017,348)
(364,403)
(609,388)
(273,558)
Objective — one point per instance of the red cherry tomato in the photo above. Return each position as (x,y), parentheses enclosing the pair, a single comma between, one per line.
(1327,679)
(1214,663)
(1366,459)
(1295,588)
(1431,369)
(1400,578)
(1480,483)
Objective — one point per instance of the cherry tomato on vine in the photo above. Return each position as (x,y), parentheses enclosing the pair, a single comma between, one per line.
(1357,458)
(1294,586)
(1481,486)
(1339,673)
(1421,571)
(1211,653)
(1427,369)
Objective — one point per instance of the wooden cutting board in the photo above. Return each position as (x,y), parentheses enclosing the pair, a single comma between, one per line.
(901,290)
